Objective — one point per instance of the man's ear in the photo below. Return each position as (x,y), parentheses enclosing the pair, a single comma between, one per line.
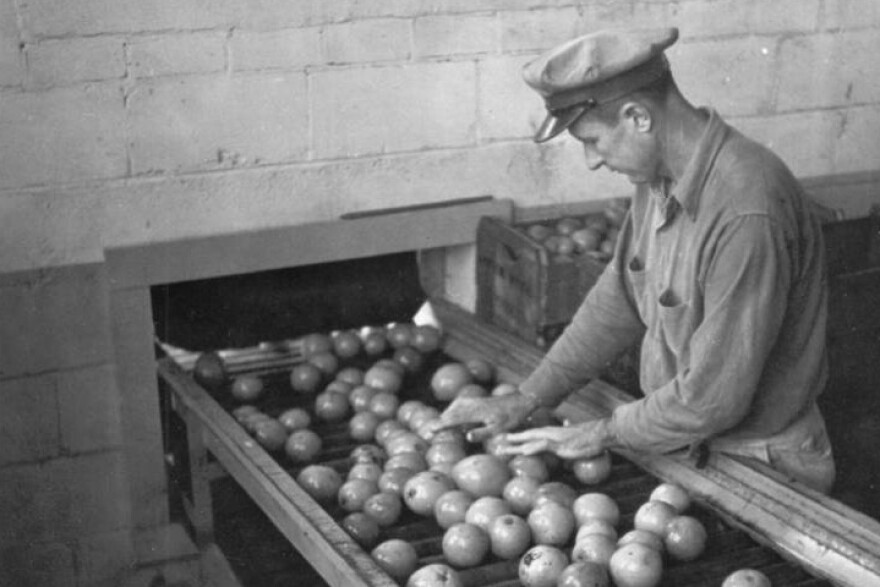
(638,115)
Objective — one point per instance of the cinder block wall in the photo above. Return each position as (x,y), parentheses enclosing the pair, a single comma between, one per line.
(136,121)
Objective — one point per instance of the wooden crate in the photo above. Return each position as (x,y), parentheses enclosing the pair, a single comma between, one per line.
(525,288)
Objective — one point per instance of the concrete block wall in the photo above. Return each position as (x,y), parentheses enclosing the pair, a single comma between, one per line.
(138,121)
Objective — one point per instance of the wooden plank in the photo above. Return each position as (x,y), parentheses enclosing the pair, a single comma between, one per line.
(552,211)
(818,533)
(308,527)
(141,423)
(853,194)
(234,254)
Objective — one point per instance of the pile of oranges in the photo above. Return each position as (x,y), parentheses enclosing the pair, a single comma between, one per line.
(594,235)
(489,507)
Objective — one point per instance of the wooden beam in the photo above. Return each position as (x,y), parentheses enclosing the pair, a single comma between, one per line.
(306,244)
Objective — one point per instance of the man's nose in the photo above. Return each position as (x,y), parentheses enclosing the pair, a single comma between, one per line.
(594,160)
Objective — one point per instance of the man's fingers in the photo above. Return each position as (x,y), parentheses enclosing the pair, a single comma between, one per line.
(480,434)
(525,435)
(525,448)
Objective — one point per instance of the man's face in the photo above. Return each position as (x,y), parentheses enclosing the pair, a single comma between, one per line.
(623,145)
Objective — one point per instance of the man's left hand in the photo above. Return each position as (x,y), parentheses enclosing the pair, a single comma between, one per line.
(584,440)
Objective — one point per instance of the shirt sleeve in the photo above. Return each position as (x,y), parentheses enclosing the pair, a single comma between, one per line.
(605,324)
(745,288)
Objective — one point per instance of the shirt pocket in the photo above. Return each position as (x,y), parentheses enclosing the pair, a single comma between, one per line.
(674,323)
(638,279)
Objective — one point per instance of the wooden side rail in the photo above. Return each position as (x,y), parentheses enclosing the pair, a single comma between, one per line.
(308,527)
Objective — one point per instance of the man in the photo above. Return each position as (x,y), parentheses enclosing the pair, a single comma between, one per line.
(719,270)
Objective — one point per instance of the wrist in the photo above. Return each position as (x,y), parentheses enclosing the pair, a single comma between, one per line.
(609,434)
(530,402)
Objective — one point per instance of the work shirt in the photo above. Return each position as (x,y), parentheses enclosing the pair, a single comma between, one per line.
(722,275)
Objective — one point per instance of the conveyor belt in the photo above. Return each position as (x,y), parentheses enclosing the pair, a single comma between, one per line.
(268,479)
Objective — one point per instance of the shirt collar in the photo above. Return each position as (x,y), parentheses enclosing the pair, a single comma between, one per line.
(689,187)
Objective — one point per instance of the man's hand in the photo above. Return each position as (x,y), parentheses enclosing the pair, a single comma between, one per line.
(584,440)
(489,415)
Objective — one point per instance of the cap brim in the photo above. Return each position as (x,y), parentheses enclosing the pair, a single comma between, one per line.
(558,122)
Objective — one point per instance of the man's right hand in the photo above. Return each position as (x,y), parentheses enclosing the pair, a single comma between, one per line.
(487,415)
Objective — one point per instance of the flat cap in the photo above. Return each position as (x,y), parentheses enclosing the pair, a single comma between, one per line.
(593,69)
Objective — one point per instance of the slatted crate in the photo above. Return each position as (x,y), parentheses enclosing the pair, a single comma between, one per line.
(527,288)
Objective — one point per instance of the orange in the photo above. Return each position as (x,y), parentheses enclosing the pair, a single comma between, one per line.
(295,419)
(397,558)
(359,397)
(209,370)
(367,453)
(596,526)
(465,545)
(484,510)
(435,575)
(449,379)
(674,495)
(410,359)
(320,481)
(362,426)
(326,361)
(383,378)
(584,574)
(558,491)
(444,453)
(412,460)
(451,507)
(529,466)
(399,334)
(590,506)
(481,474)
(636,565)
(347,344)
(385,507)
(351,375)
(510,536)
(394,479)
(384,404)
(364,529)
(541,566)
(642,536)
(422,490)
(520,494)
(746,578)
(685,538)
(375,343)
(594,470)
(405,441)
(305,378)
(596,548)
(551,523)
(270,433)
(354,493)
(331,406)
(426,338)
(482,370)
(366,471)
(653,517)
(315,342)
(247,388)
